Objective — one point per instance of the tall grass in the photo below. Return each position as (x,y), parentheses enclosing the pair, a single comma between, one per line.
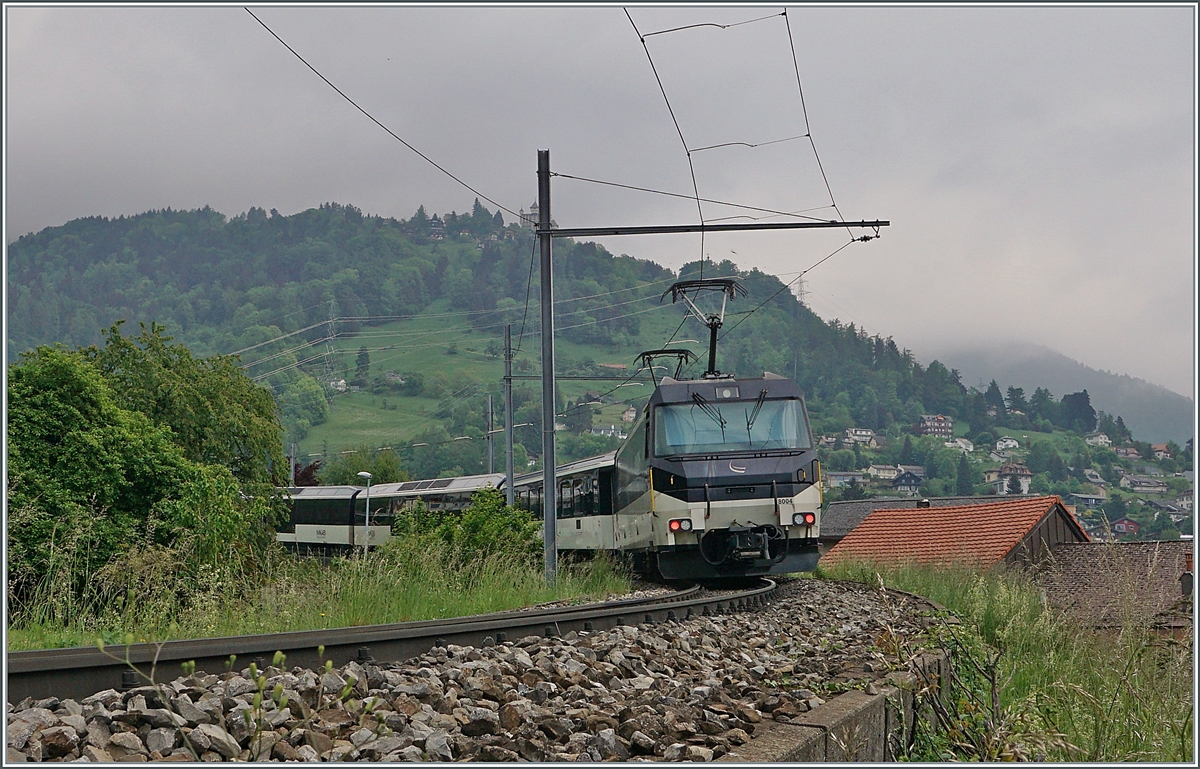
(1066,692)
(417,575)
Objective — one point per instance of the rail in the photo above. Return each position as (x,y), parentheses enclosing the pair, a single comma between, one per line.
(81,671)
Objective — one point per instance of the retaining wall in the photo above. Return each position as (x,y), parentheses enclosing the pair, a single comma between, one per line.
(854,726)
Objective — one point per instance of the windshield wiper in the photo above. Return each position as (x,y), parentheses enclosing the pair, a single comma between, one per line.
(753,415)
(713,413)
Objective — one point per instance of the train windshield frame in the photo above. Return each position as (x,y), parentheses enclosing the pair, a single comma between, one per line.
(723,426)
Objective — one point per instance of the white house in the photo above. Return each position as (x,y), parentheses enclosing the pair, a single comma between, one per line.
(1097,439)
(883,472)
(836,479)
(1007,443)
(962,444)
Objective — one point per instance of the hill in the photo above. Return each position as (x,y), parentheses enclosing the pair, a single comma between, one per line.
(1152,412)
(372,331)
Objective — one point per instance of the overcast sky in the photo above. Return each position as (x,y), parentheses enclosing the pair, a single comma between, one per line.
(1037,164)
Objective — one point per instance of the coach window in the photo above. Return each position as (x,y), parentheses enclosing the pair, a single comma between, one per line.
(566,500)
(582,499)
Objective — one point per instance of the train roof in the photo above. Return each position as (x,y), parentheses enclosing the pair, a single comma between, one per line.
(578,466)
(461,484)
(672,390)
(324,492)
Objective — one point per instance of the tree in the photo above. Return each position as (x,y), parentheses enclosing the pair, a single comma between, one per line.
(215,413)
(362,364)
(1016,400)
(89,480)
(995,399)
(1076,412)
(964,487)
(906,453)
(1042,406)
(854,490)
(578,417)
(1013,486)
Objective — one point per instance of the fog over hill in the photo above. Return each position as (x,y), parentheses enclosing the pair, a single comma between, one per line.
(1151,411)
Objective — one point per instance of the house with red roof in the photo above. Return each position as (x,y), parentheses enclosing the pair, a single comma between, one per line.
(1012,531)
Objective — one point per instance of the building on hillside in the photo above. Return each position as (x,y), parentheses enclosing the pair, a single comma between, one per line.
(907,482)
(338,385)
(1097,439)
(962,444)
(999,477)
(1094,478)
(836,479)
(612,431)
(883,472)
(1124,526)
(862,436)
(1013,531)
(827,442)
(1108,585)
(1006,443)
(629,414)
(916,470)
(936,424)
(1128,452)
(1088,501)
(1144,484)
(1161,451)
(614,366)
(841,517)
(1000,456)
(1184,499)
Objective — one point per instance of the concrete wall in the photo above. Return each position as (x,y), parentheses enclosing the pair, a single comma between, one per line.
(875,725)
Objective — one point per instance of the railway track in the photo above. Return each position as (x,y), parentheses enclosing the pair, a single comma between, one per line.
(81,671)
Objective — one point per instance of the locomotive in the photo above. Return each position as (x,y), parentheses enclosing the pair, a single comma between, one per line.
(718,478)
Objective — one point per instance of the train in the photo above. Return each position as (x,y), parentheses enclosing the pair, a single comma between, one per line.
(718,478)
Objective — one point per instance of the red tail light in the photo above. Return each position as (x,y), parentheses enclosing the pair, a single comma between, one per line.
(679,524)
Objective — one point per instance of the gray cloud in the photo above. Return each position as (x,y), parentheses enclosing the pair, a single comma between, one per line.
(1037,163)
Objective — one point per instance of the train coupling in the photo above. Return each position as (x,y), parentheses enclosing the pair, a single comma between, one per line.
(749,543)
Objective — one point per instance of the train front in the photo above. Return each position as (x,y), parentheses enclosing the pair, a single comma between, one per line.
(731,483)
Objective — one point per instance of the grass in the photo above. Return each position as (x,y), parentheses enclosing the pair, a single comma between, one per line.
(413,579)
(1065,692)
(421,344)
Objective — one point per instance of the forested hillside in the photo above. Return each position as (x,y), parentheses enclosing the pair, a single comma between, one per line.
(272,288)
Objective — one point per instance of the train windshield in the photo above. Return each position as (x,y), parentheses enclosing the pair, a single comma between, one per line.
(705,427)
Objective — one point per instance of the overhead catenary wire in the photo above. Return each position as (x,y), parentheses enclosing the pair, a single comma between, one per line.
(374,120)
(683,141)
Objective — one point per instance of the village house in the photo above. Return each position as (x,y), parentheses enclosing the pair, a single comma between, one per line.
(826,442)
(629,414)
(936,424)
(998,477)
(836,479)
(611,431)
(861,435)
(916,470)
(1007,443)
(1160,451)
(1184,499)
(907,482)
(1089,501)
(1127,452)
(1000,456)
(962,444)
(842,516)
(883,472)
(1097,439)
(1018,532)
(1107,585)
(1094,478)
(1143,483)
(1123,526)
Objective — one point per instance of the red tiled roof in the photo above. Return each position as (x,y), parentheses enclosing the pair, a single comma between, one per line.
(975,534)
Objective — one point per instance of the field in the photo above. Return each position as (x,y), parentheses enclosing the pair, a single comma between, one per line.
(424,345)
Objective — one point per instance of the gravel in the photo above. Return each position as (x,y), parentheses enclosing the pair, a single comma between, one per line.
(685,690)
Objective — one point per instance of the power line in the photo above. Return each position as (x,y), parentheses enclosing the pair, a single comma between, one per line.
(635,188)
(711,24)
(691,166)
(372,118)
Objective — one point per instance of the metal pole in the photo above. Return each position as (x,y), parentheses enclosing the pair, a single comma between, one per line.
(510,492)
(292,466)
(549,486)
(491,442)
